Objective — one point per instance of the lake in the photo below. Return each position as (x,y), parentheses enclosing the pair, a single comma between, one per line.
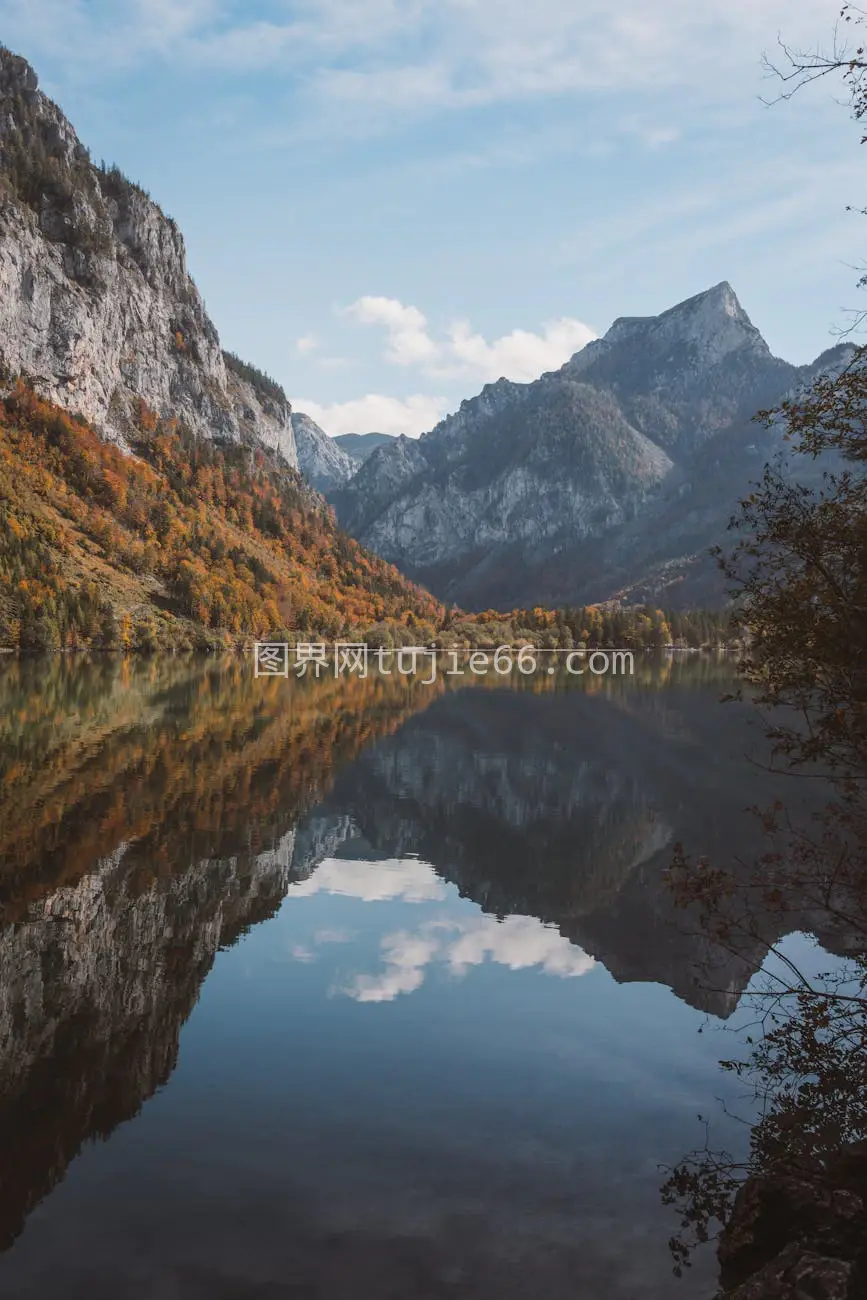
(340,989)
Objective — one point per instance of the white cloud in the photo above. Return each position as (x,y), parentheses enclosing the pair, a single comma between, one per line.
(300,952)
(307,343)
(518,942)
(521,355)
(409,343)
(376,413)
(463,354)
(373,882)
(406,956)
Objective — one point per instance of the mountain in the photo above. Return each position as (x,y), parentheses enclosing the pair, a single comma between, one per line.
(610,476)
(97,307)
(324,464)
(149,487)
(362,445)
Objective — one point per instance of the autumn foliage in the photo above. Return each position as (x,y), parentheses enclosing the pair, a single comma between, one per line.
(190,543)
(183,543)
(173,757)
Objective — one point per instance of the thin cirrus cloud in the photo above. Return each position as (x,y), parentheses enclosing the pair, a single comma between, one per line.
(363,59)
(306,343)
(419,94)
(369,53)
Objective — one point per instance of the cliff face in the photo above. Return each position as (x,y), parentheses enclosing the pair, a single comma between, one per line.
(515,475)
(325,465)
(97,307)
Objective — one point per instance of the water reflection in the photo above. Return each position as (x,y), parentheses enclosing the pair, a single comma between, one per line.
(146,812)
(790,1210)
(456,866)
(566,807)
(516,942)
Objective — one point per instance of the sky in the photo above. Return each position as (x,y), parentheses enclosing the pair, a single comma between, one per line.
(389,203)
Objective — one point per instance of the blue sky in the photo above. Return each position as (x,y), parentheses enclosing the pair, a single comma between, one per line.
(388,203)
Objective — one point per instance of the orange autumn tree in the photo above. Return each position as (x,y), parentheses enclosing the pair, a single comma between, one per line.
(185,542)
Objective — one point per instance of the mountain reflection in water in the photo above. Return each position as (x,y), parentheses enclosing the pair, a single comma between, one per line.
(446,1014)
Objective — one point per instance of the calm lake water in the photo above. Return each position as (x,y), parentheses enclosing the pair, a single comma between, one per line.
(357,990)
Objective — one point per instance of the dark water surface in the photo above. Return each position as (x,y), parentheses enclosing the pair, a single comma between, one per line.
(355,989)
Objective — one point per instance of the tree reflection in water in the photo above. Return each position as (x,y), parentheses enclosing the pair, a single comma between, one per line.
(794,1207)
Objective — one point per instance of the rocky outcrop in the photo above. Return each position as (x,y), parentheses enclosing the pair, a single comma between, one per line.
(518,473)
(613,475)
(325,466)
(97,307)
(800,1231)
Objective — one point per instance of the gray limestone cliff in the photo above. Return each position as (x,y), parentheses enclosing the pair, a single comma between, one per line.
(322,462)
(97,307)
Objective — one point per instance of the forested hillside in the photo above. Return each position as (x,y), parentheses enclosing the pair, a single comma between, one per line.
(186,543)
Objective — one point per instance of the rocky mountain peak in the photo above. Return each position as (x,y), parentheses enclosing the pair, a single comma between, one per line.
(625,462)
(16,73)
(713,322)
(493,398)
